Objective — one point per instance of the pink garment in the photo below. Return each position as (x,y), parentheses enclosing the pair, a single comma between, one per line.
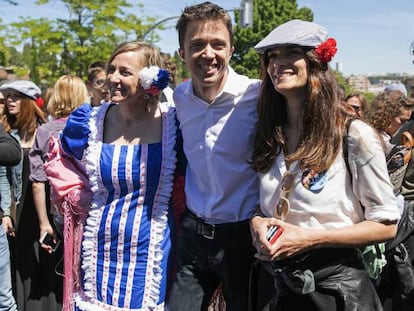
(72,196)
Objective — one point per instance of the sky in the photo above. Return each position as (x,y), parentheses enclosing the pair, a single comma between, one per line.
(373,36)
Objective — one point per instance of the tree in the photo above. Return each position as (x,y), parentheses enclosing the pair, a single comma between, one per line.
(68,45)
(41,47)
(4,51)
(342,81)
(267,14)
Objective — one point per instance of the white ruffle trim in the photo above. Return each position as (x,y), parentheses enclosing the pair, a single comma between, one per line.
(95,305)
(99,194)
(160,206)
(163,195)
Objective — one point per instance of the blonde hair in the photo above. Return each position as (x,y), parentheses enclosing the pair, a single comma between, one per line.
(149,54)
(69,92)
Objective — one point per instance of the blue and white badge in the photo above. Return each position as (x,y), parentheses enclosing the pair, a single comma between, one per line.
(314,181)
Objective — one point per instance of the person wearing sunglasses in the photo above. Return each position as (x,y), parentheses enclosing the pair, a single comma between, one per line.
(325,213)
(21,118)
(358,103)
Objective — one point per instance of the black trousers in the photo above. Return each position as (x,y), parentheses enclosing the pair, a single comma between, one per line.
(208,255)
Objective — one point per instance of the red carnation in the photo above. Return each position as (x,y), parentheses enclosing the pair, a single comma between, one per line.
(39,102)
(326,50)
(153,90)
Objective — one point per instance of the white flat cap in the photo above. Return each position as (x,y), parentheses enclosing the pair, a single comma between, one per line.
(25,87)
(296,32)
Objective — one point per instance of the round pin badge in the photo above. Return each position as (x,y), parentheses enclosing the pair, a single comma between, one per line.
(314,181)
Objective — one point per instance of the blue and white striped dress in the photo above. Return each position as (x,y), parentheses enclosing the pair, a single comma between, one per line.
(126,242)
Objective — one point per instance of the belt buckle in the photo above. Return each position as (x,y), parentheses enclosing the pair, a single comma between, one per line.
(210,234)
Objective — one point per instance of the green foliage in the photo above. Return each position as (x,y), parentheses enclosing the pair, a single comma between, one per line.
(91,30)
(369,97)
(182,71)
(342,81)
(267,14)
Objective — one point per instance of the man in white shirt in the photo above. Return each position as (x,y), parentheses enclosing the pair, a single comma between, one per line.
(216,109)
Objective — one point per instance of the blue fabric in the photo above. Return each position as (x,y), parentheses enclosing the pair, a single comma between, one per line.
(75,135)
(121,256)
(11,178)
(142,244)
(5,192)
(7,301)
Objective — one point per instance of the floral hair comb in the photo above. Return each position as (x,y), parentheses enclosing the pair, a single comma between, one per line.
(326,50)
(153,79)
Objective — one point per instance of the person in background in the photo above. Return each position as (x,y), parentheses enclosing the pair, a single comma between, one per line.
(10,154)
(170,65)
(306,190)
(22,117)
(10,151)
(97,84)
(2,103)
(121,241)
(358,103)
(68,93)
(46,95)
(388,112)
(396,87)
(396,286)
(216,110)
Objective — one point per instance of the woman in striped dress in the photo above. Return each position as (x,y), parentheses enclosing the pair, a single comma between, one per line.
(121,242)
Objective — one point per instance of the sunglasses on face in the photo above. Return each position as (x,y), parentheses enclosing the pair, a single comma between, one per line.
(282,206)
(356,108)
(14,97)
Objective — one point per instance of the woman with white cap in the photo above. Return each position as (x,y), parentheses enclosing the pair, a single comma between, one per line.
(22,117)
(306,190)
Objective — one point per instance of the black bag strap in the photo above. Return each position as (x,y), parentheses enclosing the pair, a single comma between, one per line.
(345,144)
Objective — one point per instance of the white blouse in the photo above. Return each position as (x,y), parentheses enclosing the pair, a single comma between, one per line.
(338,203)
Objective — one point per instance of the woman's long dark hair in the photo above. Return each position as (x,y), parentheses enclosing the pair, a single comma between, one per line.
(323,122)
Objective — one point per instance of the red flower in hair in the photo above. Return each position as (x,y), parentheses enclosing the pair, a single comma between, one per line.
(326,50)
(39,102)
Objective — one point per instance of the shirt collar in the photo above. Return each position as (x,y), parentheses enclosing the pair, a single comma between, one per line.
(231,86)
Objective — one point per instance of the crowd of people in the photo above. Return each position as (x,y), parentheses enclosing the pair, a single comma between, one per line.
(131,191)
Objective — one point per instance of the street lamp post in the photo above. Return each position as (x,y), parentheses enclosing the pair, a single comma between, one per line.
(412,49)
(246,17)
(156,25)
(246,13)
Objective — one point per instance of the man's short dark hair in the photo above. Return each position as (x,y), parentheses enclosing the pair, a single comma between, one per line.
(202,11)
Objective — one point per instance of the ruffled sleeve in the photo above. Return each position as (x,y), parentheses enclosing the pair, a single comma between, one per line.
(74,137)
